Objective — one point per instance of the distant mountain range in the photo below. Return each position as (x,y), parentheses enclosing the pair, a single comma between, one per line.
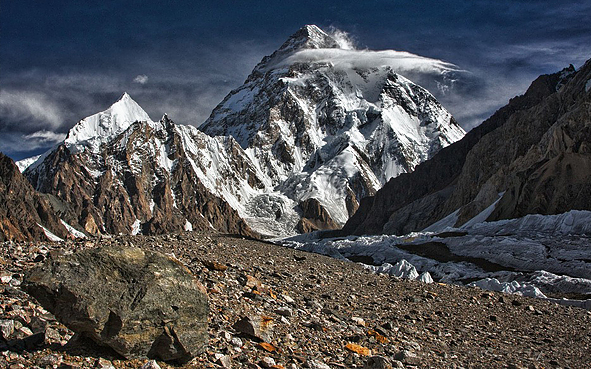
(315,128)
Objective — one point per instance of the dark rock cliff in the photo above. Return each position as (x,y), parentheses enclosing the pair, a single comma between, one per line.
(23,209)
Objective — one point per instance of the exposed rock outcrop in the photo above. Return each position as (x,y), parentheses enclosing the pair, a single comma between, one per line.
(24,211)
(314,217)
(533,151)
(140,303)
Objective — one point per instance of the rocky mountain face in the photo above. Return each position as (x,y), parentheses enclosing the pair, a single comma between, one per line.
(327,133)
(530,157)
(119,172)
(25,215)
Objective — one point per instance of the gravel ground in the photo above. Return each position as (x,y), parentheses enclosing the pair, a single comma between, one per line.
(314,312)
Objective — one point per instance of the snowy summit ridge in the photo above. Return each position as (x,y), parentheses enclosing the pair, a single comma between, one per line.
(326,122)
(99,128)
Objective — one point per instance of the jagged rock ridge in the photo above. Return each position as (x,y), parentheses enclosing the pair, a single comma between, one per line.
(530,157)
(145,177)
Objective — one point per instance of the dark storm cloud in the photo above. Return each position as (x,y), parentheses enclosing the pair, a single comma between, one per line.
(62,61)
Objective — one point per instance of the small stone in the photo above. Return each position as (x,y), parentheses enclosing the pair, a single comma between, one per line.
(251,282)
(236,342)
(5,278)
(377,362)
(52,335)
(359,321)
(288,299)
(358,349)
(49,361)
(315,364)
(267,362)
(397,364)
(226,335)
(223,360)
(260,327)
(266,346)
(214,265)
(407,357)
(103,364)
(283,311)
(6,328)
(152,364)
(26,331)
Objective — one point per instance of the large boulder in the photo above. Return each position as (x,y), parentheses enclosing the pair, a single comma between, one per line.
(138,302)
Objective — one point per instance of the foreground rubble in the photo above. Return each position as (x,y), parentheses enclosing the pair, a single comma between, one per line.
(274,307)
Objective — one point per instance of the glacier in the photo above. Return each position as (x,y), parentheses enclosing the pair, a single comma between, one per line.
(545,256)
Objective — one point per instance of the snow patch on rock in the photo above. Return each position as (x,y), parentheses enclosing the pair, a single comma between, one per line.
(50,235)
(73,231)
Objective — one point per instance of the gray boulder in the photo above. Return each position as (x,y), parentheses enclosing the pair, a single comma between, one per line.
(138,302)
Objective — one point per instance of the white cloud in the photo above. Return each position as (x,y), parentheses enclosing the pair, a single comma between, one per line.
(21,146)
(141,79)
(24,105)
(44,137)
(343,39)
(400,61)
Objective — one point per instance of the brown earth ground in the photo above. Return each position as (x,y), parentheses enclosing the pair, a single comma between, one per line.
(321,311)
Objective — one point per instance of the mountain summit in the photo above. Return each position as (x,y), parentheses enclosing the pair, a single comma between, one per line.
(328,128)
(99,128)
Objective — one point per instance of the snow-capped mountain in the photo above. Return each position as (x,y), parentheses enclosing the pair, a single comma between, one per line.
(294,149)
(327,125)
(119,172)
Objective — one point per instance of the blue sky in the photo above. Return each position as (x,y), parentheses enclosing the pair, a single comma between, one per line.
(61,61)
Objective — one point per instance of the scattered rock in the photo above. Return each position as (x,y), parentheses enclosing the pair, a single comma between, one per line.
(260,327)
(377,362)
(358,349)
